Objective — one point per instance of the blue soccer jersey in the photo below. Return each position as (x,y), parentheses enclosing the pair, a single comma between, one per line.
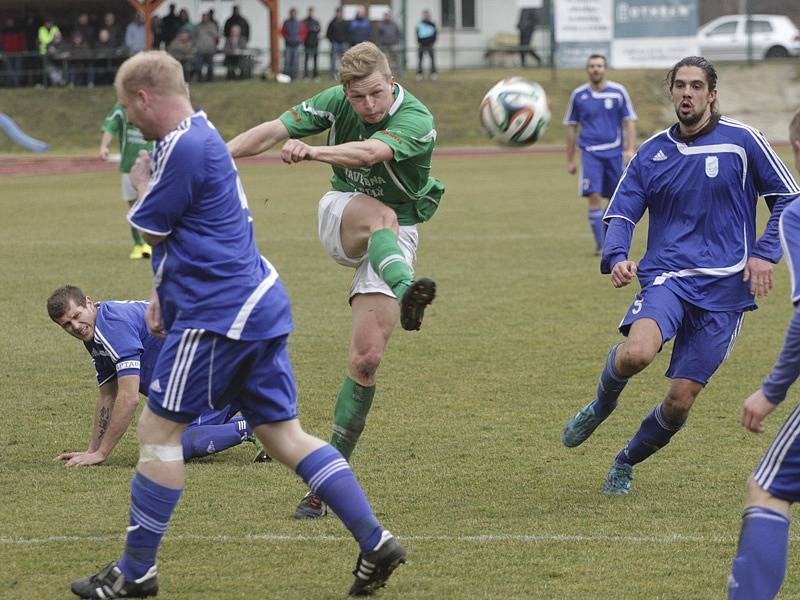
(600,114)
(122,345)
(208,272)
(701,199)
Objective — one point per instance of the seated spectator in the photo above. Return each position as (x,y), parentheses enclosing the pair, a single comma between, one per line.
(206,38)
(237,61)
(237,19)
(81,63)
(182,50)
(107,54)
(57,55)
(135,34)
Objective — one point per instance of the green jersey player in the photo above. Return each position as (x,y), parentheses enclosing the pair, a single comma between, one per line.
(130,142)
(380,142)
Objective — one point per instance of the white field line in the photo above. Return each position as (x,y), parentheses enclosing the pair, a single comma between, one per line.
(480,539)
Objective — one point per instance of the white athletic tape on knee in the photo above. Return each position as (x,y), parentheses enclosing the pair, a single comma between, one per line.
(148,452)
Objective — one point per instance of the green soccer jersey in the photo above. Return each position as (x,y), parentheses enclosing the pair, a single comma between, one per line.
(403,183)
(130,138)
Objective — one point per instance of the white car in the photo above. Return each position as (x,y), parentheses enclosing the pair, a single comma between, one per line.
(725,38)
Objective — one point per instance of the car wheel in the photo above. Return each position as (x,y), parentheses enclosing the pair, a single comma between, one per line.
(777,52)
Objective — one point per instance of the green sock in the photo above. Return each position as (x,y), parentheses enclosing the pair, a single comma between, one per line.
(350,415)
(388,261)
(137,239)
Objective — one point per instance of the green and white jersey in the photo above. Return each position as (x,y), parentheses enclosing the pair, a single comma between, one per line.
(403,183)
(130,138)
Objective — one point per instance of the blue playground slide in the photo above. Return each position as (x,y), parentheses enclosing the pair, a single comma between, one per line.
(8,125)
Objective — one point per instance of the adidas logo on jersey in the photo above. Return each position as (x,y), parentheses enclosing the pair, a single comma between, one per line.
(659,156)
(155,386)
(211,449)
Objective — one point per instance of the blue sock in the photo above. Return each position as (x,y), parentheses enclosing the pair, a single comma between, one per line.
(203,440)
(654,433)
(609,387)
(760,563)
(329,476)
(151,507)
(596,223)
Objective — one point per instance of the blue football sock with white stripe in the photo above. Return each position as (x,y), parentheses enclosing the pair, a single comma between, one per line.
(329,476)
(654,433)
(760,563)
(203,440)
(596,223)
(151,507)
(610,386)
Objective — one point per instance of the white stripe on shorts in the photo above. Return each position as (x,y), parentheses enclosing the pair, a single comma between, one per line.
(180,368)
(771,463)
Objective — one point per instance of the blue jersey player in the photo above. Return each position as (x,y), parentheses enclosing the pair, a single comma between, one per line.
(225,316)
(601,108)
(699,181)
(760,563)
(124,352)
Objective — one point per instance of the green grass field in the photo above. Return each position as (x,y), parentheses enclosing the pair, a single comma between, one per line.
(461,456)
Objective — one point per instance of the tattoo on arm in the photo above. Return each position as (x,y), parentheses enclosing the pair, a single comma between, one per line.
(102,425)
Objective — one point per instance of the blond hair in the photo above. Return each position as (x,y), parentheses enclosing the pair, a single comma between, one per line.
(794,129)
(363,60)
(155,71)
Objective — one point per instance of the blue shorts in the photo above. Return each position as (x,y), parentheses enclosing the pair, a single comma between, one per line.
(779,471)
(215,416)
(703,338)
(600,174)
(198,370)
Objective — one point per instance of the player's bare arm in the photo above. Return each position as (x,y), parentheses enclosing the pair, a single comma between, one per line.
(630,140)
(102,413)
(350,155)
(755,409)
(572,136)
(105,141)
(258,139)
(623,273)
(152,317)
(759,273)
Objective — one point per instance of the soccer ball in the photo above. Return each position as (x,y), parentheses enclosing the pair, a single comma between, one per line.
(515,112)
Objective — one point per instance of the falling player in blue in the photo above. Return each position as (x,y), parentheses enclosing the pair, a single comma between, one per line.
(760,563)
(226,317)
(601,108)
(124,352)
(699,181)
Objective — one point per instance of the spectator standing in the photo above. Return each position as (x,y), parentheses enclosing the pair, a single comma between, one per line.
(47,35)
(337,36)
(389,41)
(182,49)
(359,29)
(206,38)
(114,32)
(526,26)
(237,19)
(185,22)
(81,63)
(86,29)
(311,44)
(170,25)
(12,43)
(135,34)
(293,34)
(237,61)
(426,39)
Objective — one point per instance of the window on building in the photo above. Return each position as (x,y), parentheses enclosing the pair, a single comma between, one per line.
(459,14)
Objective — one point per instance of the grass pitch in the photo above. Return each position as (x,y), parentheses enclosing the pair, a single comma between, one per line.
(461,456)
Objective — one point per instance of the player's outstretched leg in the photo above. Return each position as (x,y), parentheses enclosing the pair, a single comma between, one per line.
(111,583)
(654,433)
(609,387)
